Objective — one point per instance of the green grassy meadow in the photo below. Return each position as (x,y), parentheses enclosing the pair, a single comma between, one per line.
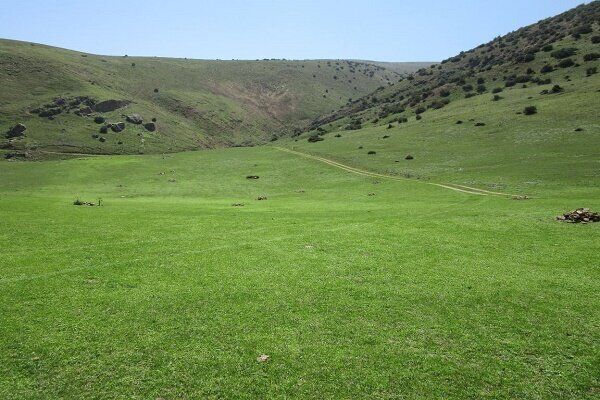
(361,274)
(168,291)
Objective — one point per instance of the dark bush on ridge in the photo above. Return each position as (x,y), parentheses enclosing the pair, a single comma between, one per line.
(582,30)
(496,98)
(566,63)
(564,53)
(591,57)
(530,110)
(481,88)
(497,90)
(546,68)
(547,48)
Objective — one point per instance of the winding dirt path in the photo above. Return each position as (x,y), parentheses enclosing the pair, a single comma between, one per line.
(450,186)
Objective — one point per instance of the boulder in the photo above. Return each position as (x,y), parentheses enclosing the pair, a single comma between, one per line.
(118,127)
(134,119)
(16,131)
(110,105)
(150,126)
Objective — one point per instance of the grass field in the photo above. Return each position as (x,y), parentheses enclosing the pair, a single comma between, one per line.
(167,291)
(360,272)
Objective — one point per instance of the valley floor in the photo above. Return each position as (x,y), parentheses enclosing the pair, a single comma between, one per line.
(355,286)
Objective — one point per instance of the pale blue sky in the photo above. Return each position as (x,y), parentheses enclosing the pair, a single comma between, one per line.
(400,30)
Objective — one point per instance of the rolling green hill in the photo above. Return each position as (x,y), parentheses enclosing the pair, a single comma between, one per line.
(196,103)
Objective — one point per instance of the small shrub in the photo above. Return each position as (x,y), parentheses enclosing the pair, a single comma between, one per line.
(592,71)
(480,81)
(155,90)
(497,90)
(459,122)
(315,138)
(467,87)
(582,30)
(371,152)
(420,110)
(595,39)
(591,57)
(564,53)
(557,89)
(530,110)
(496,98)
(546,69)
(444,93)
(481,88)
(469,95)
(547,48)
(566,63)
(418,117)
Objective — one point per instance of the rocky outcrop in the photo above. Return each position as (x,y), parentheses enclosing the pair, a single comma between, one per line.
(134,119)
(16,131)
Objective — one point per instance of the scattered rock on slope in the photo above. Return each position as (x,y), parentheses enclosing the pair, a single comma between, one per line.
(134,119)
(16,131)
(150,126)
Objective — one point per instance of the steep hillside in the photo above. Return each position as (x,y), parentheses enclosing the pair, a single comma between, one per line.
(511,115)
(560,48)
(195,103)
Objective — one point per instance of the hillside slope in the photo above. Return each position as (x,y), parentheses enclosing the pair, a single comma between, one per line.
(554,48)
(196,103)
(510,115)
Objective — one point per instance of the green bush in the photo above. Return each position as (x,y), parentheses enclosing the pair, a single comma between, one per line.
(591,57)
(547,48)
(530,110)
(564,53)
(566,63)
